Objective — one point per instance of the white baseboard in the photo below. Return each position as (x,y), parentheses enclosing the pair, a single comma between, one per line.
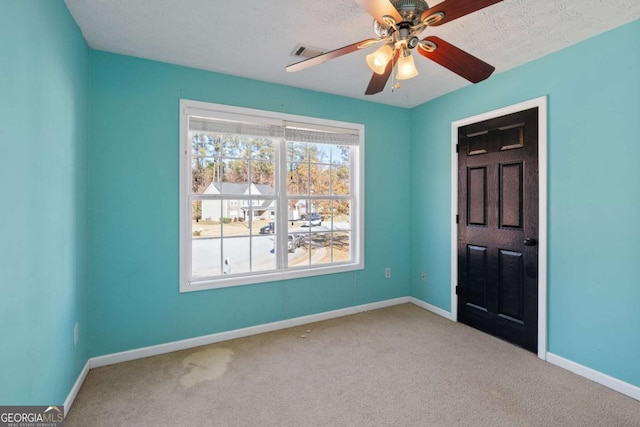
(68,402)
(155,350)
(595,376)
(432,308)
(591,374)
(110,359)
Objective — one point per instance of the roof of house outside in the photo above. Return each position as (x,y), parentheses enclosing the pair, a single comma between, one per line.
(233,188)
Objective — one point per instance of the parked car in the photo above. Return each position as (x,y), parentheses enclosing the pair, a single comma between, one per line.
(294,242)
(268,229)
(312,220)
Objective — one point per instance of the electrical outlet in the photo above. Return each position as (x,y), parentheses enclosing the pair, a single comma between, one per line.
(387,273)
(76,334)
(423,276)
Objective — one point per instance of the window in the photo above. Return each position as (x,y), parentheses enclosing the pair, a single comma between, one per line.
(267,196)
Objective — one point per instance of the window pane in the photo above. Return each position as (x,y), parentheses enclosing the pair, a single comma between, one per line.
(340,181)
(297,151)
(236,255)
(264,210)
(235,210)
(294,208)
(204,144)
(203,172)
(320,153)
(235,225)
(306,211)
(205,257)
(323,209)
(215,211)
(320,248)
(340,155)
(340,219)
(298,178)
(205,243)
(263,176)
(295,247)
(210,215)
(319,179)
(341,247)
(235,146)
(263,149)
(262,254)
(234,171)
(196,212)
(300,255)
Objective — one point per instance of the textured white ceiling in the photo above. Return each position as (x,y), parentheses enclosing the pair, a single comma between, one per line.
(254,38)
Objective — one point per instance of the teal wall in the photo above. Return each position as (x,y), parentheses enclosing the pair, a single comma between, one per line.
(593,91)
(133,207)
(44,86)
(90,231)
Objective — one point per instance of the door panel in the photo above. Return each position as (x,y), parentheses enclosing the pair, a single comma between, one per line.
(477,196)
(511,193)
(510,285)
(498,204)
(477,271)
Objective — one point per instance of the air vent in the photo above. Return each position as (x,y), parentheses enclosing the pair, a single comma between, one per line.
(306,51)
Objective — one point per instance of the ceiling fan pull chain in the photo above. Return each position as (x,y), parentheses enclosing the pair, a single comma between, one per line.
(395,84)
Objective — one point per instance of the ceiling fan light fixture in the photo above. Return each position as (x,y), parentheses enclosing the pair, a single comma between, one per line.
(398,25)
(378,60)
(406,68)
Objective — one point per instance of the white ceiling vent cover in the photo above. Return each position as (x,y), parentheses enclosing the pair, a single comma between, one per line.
(306,51)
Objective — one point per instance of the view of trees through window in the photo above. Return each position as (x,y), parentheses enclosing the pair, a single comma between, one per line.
(237,211)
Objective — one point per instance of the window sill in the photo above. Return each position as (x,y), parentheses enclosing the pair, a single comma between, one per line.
(226,282)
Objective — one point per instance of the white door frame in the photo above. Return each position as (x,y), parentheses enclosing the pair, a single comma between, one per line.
(541,103)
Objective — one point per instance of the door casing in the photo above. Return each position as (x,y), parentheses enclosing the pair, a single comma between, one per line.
(541,104)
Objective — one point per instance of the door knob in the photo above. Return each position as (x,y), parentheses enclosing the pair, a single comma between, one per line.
(530,241)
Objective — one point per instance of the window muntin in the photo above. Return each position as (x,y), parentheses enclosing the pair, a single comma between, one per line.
(267,196)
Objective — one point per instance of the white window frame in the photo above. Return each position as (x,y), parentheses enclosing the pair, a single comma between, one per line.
(219,111)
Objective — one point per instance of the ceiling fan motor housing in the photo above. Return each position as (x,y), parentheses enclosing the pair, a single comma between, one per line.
(410,10)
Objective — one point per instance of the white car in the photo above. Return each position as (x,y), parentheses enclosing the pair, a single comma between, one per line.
(312,220)
(294,242)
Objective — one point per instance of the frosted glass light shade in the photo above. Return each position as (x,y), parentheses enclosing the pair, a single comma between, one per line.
(406,68)
(378,60)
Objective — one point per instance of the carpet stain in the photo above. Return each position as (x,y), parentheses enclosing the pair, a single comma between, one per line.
(205,365)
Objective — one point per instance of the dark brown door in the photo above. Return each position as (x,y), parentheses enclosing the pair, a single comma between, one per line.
(498,227)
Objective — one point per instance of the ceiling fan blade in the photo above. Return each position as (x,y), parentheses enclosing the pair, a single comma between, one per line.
(379,8)
(330,55)
(454,9)
(379,81)
(457,60)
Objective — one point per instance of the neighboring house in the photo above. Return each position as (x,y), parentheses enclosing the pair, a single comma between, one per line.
(213,210)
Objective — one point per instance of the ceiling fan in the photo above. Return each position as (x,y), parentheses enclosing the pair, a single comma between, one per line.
(398,24)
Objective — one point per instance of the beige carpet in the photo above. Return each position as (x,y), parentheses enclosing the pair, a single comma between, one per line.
(398,366)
